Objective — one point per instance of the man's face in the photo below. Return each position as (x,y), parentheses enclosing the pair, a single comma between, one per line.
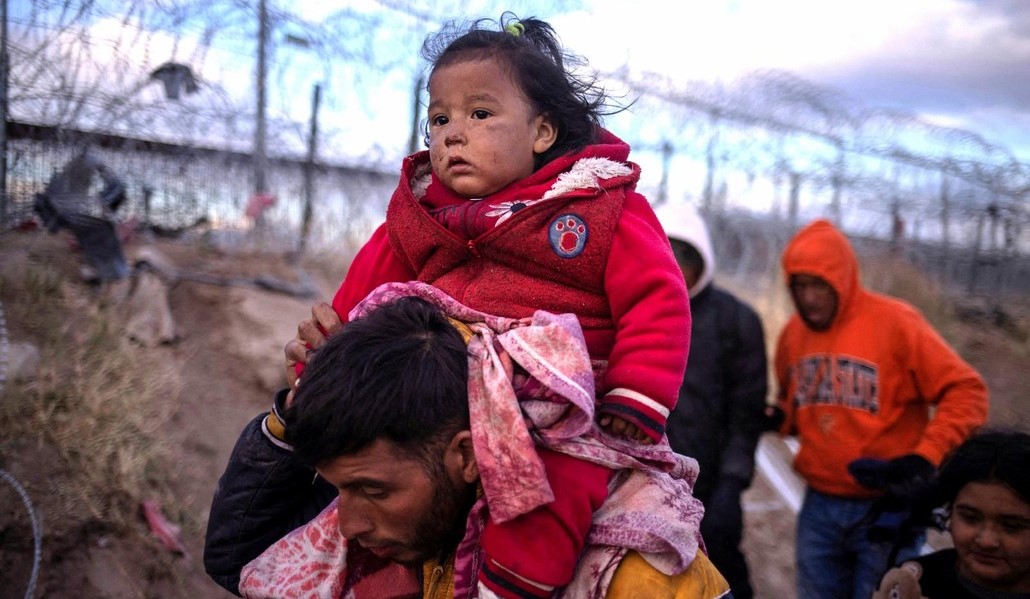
(990,527)
(815,301)
(688,260)
(392,506)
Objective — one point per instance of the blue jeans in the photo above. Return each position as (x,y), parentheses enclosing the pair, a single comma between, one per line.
(835,558)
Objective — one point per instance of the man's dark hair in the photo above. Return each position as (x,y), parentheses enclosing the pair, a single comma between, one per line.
(990,456)
(399,374)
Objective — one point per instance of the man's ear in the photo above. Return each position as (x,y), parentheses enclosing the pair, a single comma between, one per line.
(546,134)
(460,459)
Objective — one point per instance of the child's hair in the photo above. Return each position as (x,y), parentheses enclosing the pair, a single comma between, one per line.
(990,456)
(399,374)
(530,51)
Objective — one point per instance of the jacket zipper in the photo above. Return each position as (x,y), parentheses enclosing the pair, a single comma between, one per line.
(434,581)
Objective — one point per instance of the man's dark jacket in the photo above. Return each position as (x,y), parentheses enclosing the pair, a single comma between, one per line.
(719,416)
(263,494)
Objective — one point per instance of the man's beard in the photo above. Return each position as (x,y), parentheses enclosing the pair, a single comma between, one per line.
(442,527)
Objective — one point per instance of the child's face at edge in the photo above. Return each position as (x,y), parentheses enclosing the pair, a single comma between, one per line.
(990,528)
(483,132)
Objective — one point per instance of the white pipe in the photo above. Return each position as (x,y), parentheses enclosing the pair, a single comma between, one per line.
(772,466)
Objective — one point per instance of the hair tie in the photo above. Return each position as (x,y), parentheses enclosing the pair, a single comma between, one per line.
(515,29)
(462,328)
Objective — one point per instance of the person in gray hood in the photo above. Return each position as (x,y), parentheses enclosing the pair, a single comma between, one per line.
(720,413)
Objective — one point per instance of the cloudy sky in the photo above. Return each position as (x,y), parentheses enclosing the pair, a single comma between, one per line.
(963,63)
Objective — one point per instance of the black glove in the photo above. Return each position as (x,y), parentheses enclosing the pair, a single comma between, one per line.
(904,477)
(908,475)
(897,516)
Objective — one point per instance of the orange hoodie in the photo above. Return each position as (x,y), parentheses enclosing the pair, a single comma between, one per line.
(865,386)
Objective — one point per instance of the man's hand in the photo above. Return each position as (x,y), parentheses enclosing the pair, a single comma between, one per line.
(619,427)
(311,334)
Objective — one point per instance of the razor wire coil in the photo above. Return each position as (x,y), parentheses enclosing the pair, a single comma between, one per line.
(37,532)
(37,526)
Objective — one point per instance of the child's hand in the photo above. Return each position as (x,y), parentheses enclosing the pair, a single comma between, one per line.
(311,333)
(620,427)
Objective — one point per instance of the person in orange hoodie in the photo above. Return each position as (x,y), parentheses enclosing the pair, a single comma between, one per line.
(876,398)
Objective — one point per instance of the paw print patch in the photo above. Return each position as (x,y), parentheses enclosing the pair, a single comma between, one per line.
(568,235)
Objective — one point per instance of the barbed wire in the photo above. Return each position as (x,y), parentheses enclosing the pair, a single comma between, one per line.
(37,532)
(71,71)
(773,124)
(787,105)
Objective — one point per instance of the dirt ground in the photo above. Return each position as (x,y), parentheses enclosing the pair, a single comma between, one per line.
(228,360)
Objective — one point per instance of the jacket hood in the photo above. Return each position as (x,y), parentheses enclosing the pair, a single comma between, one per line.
(684,223)
(821,250)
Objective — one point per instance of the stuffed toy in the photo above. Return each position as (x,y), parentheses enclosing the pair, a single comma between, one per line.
(901,583)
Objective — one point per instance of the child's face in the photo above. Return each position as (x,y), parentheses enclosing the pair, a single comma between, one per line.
(990,527)
(483,133)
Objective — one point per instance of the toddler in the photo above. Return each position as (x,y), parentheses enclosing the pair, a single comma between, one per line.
(523,202)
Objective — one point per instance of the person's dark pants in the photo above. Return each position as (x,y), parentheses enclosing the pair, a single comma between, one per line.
(835,557)
(722,529)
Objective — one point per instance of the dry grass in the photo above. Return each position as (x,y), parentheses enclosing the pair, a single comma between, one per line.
(90,414)
(903,280)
